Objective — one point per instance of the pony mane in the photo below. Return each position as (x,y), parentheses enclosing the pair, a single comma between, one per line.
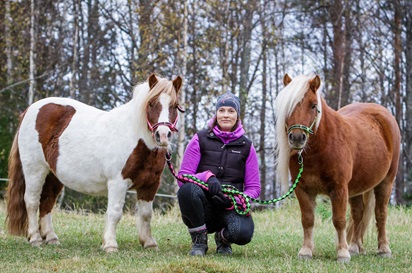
(285,103)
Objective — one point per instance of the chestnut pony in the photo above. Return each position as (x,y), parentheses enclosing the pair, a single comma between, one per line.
(62,142)
(349,155)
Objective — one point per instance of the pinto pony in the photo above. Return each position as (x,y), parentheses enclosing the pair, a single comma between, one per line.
(349,155)
(62,142)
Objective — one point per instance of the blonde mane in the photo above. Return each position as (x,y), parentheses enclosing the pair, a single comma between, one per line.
(285,103)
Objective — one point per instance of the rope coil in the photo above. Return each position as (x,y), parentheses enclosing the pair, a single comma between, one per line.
(240,200)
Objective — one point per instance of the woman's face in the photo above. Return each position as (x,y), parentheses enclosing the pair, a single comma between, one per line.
(226,117)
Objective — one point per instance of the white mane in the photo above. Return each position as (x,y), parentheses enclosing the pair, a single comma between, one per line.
(285,103)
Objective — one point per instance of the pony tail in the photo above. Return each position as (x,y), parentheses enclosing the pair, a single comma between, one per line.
(16,219)
(368,212)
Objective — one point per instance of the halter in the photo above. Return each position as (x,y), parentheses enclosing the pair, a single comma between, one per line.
(172,126)
(308,130)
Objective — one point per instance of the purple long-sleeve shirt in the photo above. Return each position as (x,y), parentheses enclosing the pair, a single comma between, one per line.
(192,156)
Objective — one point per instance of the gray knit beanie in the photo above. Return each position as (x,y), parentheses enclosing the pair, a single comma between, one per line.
(228,99)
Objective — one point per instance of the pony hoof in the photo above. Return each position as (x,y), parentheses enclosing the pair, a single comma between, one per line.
(343,255)
(385,255)
(354,249)
(304,257)
(305,253)
(149,243)
(37,243)
(384,251)
(343,259)
(111,249)
(54,242)
(151,246)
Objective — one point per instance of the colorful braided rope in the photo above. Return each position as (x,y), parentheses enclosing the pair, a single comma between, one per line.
(241,201)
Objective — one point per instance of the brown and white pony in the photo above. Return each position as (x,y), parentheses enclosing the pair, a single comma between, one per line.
(63,142)
(349,155)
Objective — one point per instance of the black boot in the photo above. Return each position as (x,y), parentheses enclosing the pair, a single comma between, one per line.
(222,245)
(199,243)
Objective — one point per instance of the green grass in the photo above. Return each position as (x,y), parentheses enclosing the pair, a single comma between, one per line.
(274,248)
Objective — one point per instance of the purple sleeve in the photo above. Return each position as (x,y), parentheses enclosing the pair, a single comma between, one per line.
(252,176)
(191,160)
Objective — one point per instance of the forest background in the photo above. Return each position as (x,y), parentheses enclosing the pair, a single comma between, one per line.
(95,51)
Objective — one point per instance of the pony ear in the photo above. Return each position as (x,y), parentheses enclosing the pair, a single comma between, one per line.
(286,79)
(315,83)
(152,80)
(177,83)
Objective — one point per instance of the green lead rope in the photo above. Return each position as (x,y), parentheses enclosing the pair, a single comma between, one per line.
(240,200)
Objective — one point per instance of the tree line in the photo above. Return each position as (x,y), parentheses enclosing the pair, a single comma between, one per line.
(95,51)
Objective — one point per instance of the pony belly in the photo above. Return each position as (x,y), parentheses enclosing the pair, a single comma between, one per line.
(84,179)
(89,187)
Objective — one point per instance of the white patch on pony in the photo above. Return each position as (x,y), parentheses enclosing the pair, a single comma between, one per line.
(285,103)
(143,218)
(116,199)
(163,130)
(47,230)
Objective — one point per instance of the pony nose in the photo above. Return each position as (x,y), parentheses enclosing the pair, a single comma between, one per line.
(162,137)
(157,136)
(297,138)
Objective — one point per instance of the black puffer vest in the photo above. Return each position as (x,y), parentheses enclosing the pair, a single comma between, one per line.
(228,161)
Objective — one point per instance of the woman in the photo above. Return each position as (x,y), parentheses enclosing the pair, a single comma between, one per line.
(219,155)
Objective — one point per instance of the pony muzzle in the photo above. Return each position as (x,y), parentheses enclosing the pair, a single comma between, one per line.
(162,132)
(298,136)
(162,135)
(297,139)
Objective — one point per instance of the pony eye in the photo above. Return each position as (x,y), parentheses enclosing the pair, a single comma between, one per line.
(314,106)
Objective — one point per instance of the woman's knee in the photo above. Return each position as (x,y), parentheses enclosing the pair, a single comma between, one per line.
(184,191)
(189,192)
(189,188)
(241,233)
(244,237)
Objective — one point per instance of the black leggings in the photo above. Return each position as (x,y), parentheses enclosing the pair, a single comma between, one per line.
(197,210)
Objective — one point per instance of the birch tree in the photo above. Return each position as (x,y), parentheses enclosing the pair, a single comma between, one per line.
(33,39)
(396,89)
(182,93)
(75,39)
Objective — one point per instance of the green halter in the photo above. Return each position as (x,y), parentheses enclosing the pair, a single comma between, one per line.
(308,130)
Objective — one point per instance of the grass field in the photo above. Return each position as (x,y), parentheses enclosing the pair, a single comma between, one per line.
(274,248)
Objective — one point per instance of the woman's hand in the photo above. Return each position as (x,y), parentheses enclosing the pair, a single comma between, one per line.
(221,200)
(214,186)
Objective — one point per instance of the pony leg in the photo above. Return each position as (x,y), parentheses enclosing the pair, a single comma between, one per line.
(34,184)
(382,195)
(339,198)
(51,190)
(143,219)
(362,207)
(307,208)
(353,230)
(116,197)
